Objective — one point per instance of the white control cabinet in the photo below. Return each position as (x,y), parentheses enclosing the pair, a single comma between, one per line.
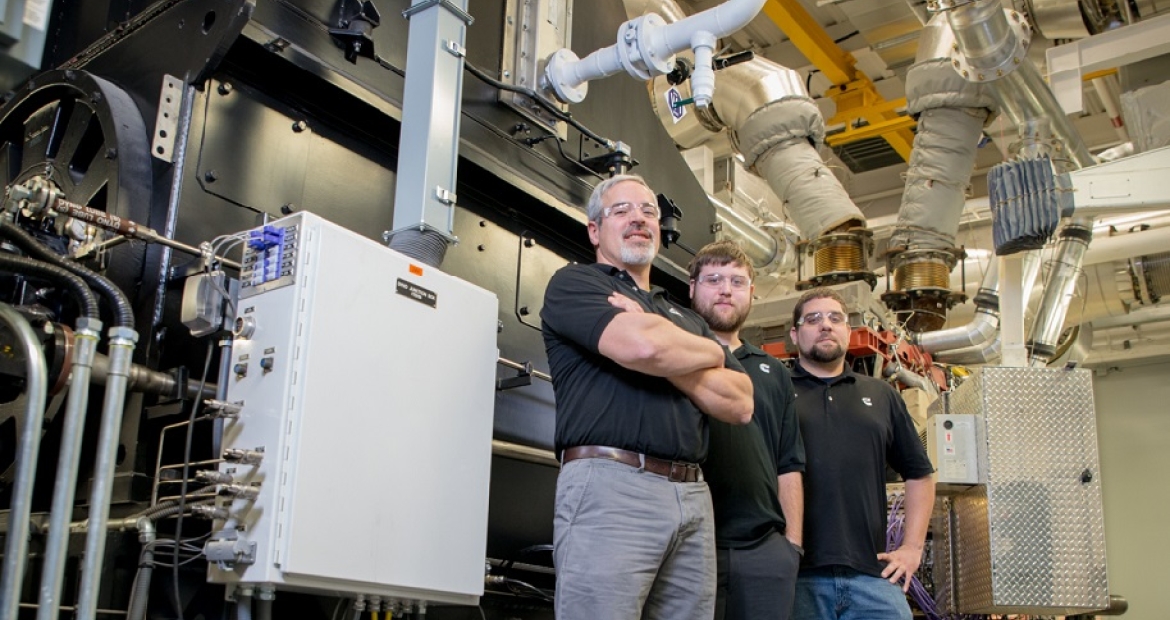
(367,382)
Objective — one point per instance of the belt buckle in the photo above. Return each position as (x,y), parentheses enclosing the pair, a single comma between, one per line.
(682,469)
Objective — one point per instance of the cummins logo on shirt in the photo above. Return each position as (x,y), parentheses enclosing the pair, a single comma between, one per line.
(867,401)
(766,368)
(674,312)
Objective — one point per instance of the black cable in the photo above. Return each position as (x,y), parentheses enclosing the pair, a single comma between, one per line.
(123,314)
(527,587)
(686,248)
(385,64)
(808,81)
(846,37)
(561,148)
(183,488)
(85,297)
(541,101)
(519,263)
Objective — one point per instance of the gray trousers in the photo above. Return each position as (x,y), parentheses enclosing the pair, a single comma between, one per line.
(759,582)
(632,545)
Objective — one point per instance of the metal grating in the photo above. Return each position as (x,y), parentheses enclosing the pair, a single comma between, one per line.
(868,154)
(1157,270)
(1033,539)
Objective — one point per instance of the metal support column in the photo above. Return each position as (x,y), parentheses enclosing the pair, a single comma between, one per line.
(424,195)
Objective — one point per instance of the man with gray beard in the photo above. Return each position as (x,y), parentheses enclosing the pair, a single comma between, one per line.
(635,377)
(853,426)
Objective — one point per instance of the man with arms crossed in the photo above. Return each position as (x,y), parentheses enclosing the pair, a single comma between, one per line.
(853,426)
(635,377)
(753,470)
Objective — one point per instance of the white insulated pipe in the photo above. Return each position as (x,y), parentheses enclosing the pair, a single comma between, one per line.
(645,48)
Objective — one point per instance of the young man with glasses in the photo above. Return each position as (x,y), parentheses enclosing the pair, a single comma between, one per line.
(754,470)
(635,377)
(853,426)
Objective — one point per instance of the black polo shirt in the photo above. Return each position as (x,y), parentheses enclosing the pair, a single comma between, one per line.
(600,402)
(745,461)
(853,426)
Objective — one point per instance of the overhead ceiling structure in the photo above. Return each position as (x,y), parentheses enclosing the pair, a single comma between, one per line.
(854,56)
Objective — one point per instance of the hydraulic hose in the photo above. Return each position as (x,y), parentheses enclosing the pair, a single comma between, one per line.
(27,447)
(124,315)
(75,284)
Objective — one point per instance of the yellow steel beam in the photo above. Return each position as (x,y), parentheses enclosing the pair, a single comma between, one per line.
(854,93)
(879,129)
(812,40)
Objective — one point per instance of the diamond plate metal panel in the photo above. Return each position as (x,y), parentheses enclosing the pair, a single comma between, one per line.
(973,568)
(943,571)
(1033,539)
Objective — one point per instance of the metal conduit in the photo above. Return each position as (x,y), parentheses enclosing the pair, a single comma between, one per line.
(27,448)
(85,338)
(121,345)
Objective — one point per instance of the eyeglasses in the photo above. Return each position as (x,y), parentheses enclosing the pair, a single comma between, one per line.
(815,318)
(624,209)
(716,280)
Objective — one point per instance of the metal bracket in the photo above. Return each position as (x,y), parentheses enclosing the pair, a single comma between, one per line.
(229,553)
(445,196)
(523,377)
(166,124)
(447,4)
(454,48)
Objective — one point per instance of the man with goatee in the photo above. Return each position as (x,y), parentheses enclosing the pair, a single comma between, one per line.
(853,426)
(636,377)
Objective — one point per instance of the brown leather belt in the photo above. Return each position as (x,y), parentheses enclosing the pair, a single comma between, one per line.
(675,471)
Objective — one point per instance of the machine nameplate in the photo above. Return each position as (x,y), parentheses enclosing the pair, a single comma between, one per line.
(417,293)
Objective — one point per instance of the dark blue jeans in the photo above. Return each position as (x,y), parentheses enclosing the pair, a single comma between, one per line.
(841,593)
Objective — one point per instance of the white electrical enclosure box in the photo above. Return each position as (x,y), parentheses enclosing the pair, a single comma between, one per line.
(367,388)
(952,444)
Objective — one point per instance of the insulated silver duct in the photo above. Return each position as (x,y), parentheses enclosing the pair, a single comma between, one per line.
(951,113)
(776,127)
(778,141)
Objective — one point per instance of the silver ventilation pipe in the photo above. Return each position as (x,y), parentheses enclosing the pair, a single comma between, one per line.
(762,248)
(982,354)
(992,48)
(27,447)
(982,332)
(981,329)
(1062,281)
